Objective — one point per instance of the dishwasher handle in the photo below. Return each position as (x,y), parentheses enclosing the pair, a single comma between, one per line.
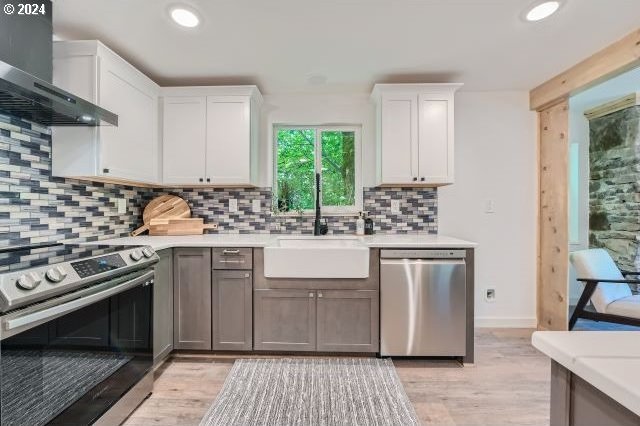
(423,254)
(422,262)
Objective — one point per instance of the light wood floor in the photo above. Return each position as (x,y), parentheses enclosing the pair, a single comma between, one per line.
(508,385)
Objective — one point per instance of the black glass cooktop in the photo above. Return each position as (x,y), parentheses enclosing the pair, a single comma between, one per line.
(19,258)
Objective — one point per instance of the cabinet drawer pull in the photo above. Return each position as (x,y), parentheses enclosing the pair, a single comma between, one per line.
(228,251)
(415,179)
(231,261)
(247,275)
(319,295)
(200,179)
(421,179)
(310,294)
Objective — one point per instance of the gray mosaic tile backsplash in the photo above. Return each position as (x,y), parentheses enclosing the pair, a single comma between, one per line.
(418,211)
(36,207)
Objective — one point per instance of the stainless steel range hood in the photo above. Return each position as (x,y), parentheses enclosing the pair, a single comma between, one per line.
(26,96)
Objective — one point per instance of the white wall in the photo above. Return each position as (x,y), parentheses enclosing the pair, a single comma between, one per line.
(496,160)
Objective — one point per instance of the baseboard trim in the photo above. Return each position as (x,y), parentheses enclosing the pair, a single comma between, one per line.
(505,322)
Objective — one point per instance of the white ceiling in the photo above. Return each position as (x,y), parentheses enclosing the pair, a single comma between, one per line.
(286,46)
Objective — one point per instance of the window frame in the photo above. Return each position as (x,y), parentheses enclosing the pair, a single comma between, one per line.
(326,210)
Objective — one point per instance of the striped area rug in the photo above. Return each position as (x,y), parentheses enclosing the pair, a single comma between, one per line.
(312,391)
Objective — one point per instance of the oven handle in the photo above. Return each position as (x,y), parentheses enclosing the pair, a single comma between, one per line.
(59,310)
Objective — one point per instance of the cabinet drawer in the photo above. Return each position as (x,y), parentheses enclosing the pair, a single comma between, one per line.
(232,258)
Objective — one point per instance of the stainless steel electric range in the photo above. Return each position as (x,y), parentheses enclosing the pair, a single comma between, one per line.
(75,333)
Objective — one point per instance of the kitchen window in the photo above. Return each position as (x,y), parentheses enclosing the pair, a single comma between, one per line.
(303,151)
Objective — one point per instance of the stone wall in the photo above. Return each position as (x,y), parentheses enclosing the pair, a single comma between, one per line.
(614,186)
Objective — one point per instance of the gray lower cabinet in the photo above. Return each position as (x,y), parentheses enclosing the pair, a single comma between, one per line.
(163,306)
(316,320)
(576,402)
(284,320)
(232,310)
(347,321)
(192,298)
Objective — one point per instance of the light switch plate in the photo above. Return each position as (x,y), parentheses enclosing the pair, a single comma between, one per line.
(395,206)
(255,206)
(122,206)
(233,205)
(490,206)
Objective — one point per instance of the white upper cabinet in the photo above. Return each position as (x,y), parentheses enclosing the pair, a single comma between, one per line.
(184,139)
(128,152)
(415,140)
(229,139)
(398,124)
(210,135)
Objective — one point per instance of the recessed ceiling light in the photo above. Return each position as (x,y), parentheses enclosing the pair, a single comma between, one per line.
(542,10)
(184,17)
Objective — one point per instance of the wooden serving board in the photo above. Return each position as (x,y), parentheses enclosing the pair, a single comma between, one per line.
(179,226)
(163,207)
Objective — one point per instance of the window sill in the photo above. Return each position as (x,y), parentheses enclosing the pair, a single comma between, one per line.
(353,214)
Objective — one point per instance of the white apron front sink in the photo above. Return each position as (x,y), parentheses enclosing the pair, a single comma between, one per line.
(316,257)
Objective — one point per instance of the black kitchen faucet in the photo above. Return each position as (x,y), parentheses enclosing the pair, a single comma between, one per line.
(319,228)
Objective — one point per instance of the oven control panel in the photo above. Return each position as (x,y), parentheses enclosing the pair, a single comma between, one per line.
(25,286)
(98,265)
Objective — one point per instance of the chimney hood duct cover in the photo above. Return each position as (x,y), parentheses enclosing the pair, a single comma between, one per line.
(28,97)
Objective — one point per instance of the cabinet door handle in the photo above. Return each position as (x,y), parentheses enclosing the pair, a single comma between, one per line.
(105,170)
(200,179)
(422,179)
(311,294)
(208,179)
(246,275)
(415,179)
(319,295)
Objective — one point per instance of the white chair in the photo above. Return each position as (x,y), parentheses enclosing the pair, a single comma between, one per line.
(607,287)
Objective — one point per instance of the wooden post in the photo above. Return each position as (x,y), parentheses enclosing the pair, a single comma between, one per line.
(553,243)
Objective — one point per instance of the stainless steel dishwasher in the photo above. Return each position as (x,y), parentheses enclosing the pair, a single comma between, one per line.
(422,303)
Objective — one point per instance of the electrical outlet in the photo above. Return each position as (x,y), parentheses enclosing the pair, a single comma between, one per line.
(490,295)
(255,206)
(395,206)
(275,227)
(233,205)
(122,206)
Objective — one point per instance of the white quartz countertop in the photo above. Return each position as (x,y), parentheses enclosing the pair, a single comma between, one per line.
(261,240)
(608,360)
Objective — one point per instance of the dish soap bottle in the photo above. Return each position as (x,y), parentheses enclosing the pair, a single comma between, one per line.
(368,225)
(360,224)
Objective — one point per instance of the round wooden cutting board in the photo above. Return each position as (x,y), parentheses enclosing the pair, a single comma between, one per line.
(163,207)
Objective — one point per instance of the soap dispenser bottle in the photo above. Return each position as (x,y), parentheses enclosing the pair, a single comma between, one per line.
(360,224)
(368,225)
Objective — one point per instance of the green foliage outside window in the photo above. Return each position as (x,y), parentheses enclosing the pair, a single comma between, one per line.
(296,168)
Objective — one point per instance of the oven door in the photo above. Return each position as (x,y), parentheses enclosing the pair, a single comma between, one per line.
(68,360)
